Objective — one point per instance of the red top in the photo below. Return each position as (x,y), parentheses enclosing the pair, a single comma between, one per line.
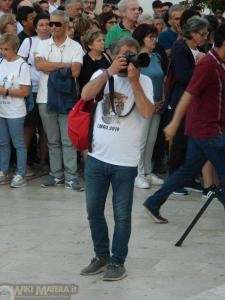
(206,114)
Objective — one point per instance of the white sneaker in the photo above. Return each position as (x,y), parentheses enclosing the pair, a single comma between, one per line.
(141,183)
(154,180)
(18,181)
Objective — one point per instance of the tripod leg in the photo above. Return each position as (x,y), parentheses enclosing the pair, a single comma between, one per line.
(220,198)
(183,237)
(217,193)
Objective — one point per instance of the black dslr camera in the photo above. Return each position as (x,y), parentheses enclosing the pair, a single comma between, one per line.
(141,60)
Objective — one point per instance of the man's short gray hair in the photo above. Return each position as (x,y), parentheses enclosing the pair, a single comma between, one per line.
(72,2)
(62,14)
(175,8)
(194,24)
(128,41)
(158,18)
(144,17)
(122,5)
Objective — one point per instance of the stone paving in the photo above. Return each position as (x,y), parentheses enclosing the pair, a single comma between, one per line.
(45,239)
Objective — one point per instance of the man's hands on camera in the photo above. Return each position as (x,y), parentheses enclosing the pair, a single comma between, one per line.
(118,64)
(133,73)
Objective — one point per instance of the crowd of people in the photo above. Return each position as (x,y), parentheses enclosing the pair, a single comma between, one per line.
(52,54)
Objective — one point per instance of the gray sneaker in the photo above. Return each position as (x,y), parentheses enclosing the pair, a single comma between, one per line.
(18,181)
(29,172)
(114,272)
(4,179)
(43,168)
(74,185)
(52,181)
(97,265)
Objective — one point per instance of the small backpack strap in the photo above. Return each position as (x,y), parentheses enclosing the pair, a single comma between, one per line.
(21,67)
(30,40)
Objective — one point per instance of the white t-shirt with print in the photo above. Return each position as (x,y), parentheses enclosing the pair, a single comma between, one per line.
(27,50)
(12,75)
(116,139)
(69,52)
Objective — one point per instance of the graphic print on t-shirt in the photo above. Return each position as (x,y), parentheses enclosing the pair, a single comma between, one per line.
(8,82)
(108,116)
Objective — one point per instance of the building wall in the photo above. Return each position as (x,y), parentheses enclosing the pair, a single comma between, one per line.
(145,4)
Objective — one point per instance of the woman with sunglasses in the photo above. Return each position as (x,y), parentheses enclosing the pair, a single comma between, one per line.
(146,35)
(184,56)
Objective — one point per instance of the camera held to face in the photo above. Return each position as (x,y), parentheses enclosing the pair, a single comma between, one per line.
(141,60)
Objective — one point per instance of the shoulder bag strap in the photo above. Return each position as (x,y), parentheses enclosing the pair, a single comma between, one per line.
(107,57)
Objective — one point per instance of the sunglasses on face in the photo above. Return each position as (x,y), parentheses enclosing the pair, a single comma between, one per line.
(56,24)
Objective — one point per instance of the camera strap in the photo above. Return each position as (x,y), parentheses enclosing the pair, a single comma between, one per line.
(111,93)
(111,97)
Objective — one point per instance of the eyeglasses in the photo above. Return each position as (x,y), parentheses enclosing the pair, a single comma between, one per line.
(152,37)
(89,2)
(203,34)
(56,24)
(112,22)
(113,7)
(43,26)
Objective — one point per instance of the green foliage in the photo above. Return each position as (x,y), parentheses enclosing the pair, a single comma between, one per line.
(216,4)
(211,4)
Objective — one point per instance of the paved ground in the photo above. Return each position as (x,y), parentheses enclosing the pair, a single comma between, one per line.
(44,239)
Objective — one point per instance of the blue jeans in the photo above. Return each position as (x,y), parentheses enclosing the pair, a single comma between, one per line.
(12,129)
(98,176)
(199,150)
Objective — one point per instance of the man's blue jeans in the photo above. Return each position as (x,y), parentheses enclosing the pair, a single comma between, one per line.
(98,176)
(199,150)
(12,129)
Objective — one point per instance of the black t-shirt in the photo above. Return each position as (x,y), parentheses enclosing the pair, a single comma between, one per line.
(22,36)
(90,66)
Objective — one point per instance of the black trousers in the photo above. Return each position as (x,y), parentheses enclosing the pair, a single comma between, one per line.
(178,148)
